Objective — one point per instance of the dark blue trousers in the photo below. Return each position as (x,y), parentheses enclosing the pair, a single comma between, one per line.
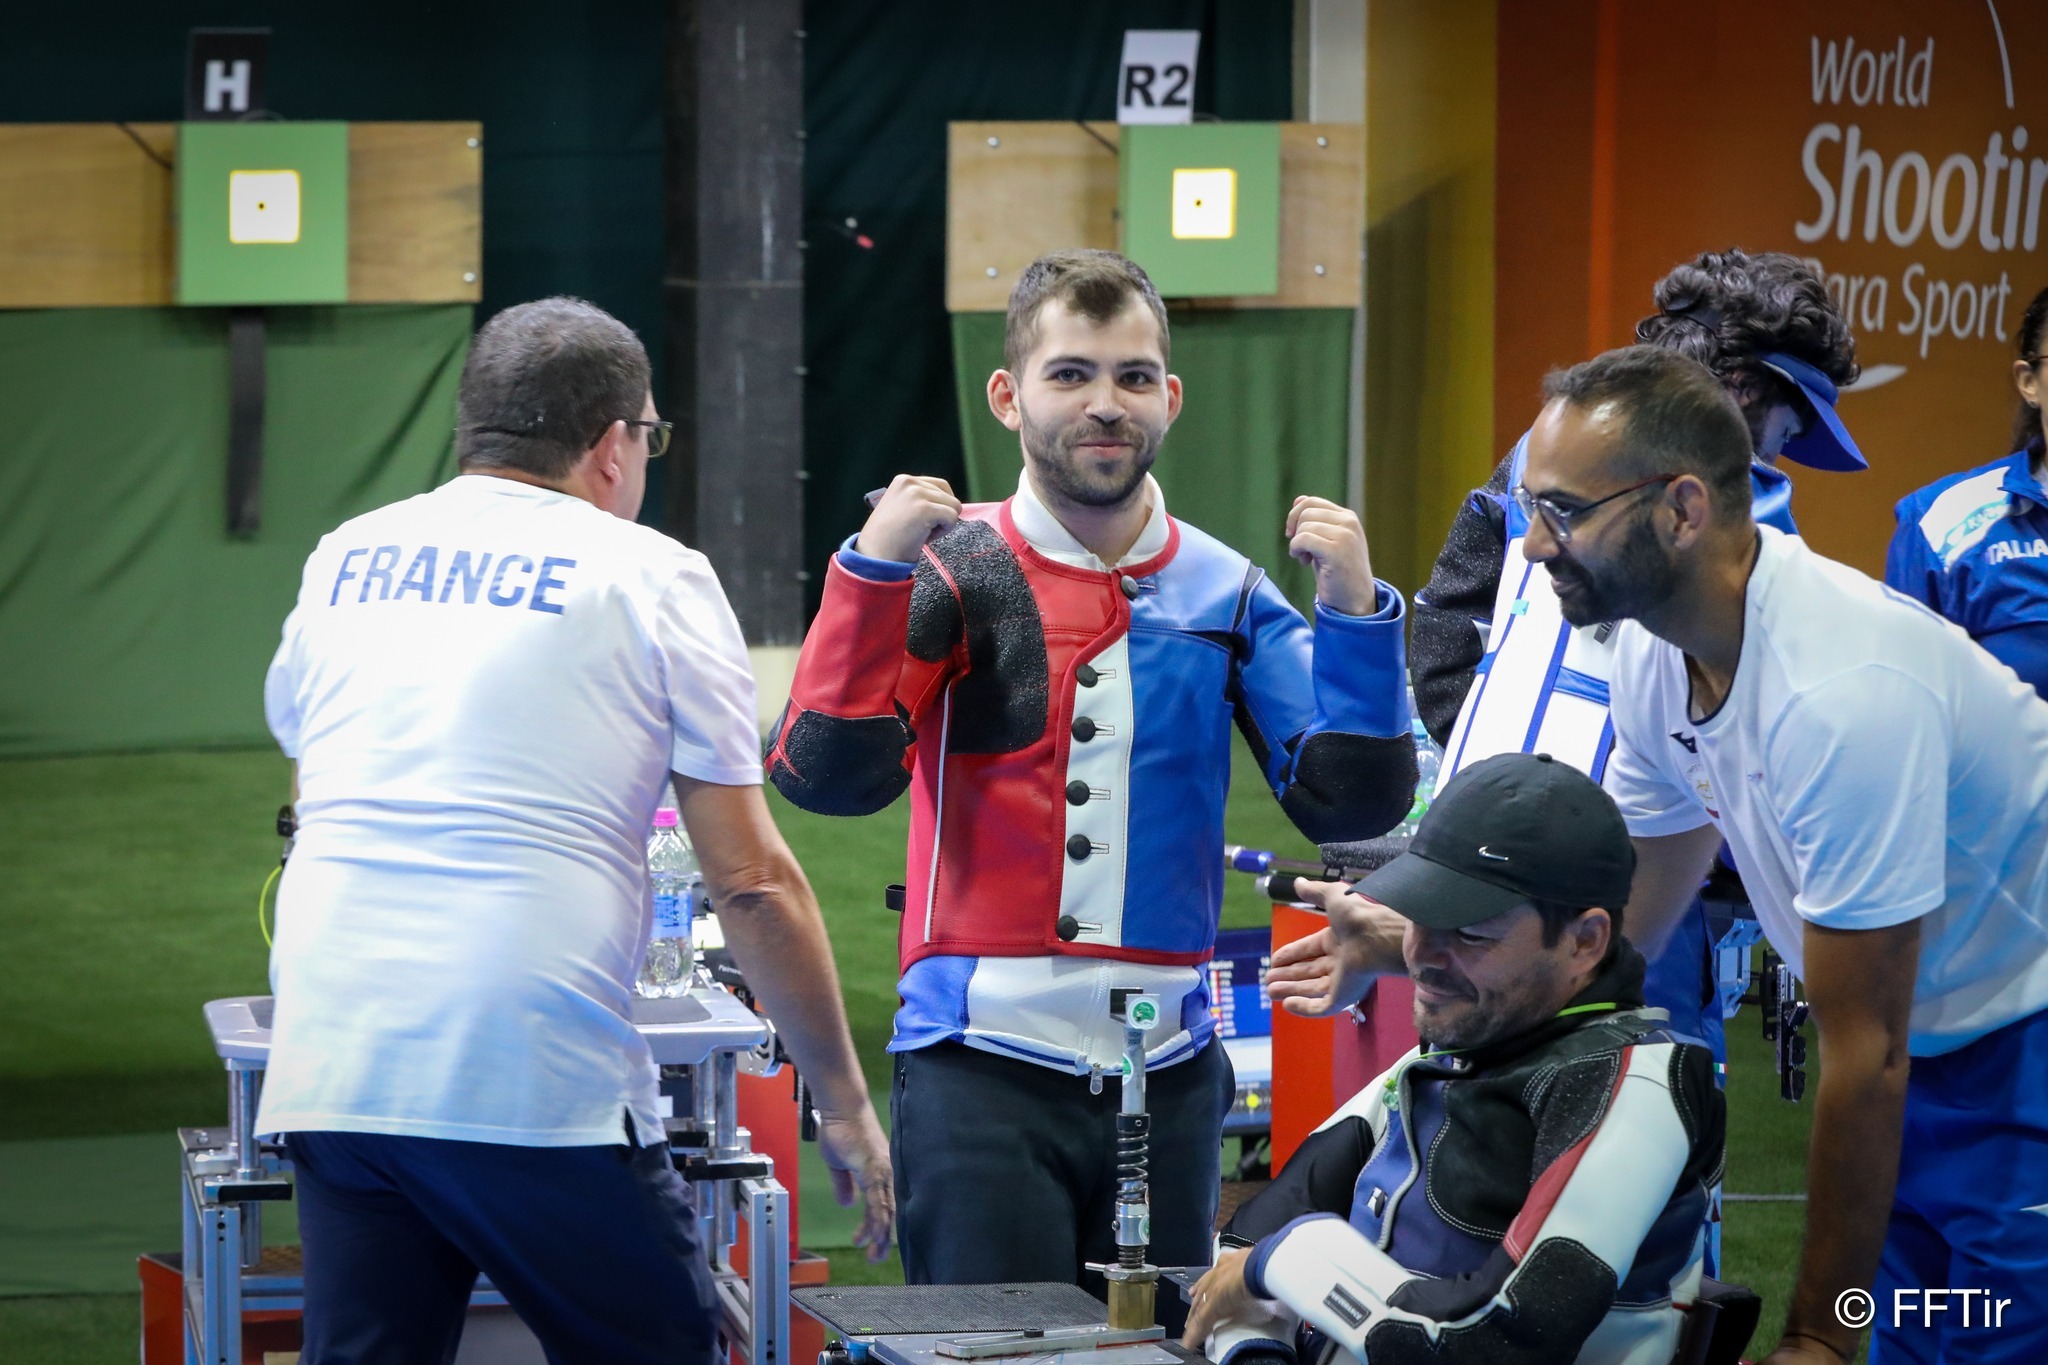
(1971,1212)
(1681,980)
(595,1248)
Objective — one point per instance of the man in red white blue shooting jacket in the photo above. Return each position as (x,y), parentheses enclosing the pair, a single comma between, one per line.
(1054,678)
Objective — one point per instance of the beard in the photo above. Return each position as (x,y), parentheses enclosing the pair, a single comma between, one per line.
(1062,469)
(1477,1017)
(1639,577)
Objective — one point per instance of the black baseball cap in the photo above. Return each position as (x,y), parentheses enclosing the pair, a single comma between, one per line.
(1509,829)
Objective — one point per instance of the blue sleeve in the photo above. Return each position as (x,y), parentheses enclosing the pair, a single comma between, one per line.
(1909,565)
(870,568)
(1326,712)
(1770,497)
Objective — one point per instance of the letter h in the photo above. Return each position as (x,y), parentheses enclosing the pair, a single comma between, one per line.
(227,86)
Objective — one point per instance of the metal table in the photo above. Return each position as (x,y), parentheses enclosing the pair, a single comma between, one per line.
(700,1040)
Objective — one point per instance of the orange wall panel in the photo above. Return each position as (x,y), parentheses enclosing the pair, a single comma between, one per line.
(1728,122)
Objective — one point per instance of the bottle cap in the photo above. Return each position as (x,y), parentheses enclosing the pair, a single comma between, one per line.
(665,818)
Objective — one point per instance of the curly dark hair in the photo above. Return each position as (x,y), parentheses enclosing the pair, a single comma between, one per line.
(2026,423)
(1724,308)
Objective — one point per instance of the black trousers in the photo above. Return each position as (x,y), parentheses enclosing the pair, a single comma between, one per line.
(1006,1171)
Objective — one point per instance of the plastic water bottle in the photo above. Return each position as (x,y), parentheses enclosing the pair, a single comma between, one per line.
(1428,762)
(672,867)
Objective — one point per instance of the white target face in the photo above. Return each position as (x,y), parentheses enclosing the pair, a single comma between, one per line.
(1205,203)
(263,206)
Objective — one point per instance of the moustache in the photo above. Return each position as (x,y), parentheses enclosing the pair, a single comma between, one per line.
(1441,982)
(1563,572)
(1130,434)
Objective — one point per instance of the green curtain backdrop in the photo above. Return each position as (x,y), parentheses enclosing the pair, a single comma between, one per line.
(882,78)
(128,618)
(1263,420)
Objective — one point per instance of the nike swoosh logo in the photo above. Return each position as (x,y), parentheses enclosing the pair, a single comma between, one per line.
(1486,852)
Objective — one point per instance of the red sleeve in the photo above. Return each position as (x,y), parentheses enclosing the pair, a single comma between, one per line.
(844,744)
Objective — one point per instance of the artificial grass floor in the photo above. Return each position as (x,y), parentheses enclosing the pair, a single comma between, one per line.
(127,899)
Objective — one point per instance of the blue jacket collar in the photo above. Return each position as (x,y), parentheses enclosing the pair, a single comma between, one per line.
(2020,480)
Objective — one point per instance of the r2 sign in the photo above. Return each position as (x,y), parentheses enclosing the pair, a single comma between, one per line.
(1156,82)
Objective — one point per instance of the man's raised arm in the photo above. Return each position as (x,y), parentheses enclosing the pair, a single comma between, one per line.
(1324,708)
(841,746)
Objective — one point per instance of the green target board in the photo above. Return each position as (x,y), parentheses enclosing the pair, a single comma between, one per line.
(262,213)
(1200,206)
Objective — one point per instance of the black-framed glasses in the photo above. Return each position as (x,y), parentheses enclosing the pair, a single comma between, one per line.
(658,434)
(1560,520)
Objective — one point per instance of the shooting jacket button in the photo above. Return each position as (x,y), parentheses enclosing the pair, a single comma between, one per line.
(1129,586)
(1086,676)
(1077,793)
(1078,848)
(1084,729)
(1068,928)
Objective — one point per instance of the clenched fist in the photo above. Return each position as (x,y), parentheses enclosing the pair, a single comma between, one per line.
(913,510)
(1331,540)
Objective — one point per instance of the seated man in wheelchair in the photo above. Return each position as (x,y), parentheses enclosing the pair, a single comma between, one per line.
(1529,1185)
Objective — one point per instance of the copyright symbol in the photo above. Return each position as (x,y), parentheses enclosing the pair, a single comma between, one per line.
(1854,1308)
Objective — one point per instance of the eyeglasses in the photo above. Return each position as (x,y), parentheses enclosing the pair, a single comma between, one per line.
(1560,520)
(658,434)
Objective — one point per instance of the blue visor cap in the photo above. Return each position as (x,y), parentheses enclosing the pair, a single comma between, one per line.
(1826,443)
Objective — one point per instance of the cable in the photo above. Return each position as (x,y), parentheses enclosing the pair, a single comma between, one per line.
(147,150)
(263,896)
(1082,124)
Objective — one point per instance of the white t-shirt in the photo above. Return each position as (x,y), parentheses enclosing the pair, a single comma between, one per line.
(485,688)
(1870,765)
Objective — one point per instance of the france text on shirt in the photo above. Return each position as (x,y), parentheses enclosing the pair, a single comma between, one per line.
(501,580)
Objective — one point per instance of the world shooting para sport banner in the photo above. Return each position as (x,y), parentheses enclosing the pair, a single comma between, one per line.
(1900,148)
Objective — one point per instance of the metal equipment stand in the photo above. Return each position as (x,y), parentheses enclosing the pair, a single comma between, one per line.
(701,1041)
(1133,1280)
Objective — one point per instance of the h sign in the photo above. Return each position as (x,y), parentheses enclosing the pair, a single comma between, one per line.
(224,73)
(227,86)
(1156,81)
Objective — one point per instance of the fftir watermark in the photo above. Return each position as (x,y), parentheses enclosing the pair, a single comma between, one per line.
(1964,1308)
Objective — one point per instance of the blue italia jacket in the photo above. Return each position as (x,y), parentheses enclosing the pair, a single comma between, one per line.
(1974,546)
